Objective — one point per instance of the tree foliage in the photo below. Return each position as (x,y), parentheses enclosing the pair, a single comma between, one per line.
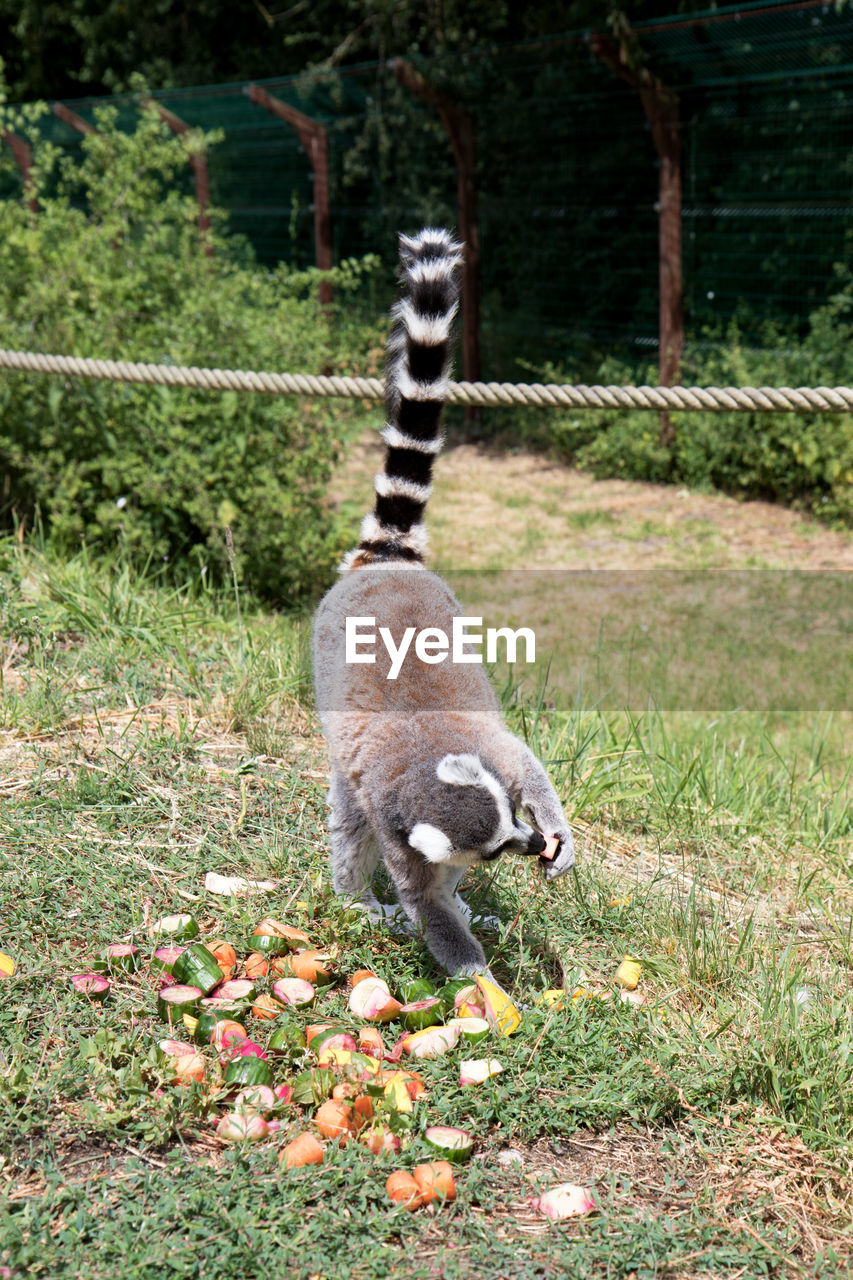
(156,472)
(803,460)
(80,47)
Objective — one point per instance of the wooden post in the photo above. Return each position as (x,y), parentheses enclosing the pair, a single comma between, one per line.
(661,106)
(23,153)
(72,119)
(315,140)
(460,129)
(200,173)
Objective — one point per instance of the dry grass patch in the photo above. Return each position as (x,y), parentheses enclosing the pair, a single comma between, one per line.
(511,508)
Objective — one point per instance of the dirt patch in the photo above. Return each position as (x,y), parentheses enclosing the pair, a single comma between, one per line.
(794,1186)
(81,1160)
(668,1172)
(661,1171)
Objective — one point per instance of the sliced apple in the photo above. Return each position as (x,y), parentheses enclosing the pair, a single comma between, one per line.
(432,1042)
(564,1201)
(476,1070)
(371,999)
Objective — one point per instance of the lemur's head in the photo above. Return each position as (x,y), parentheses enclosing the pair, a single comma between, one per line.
(459,811)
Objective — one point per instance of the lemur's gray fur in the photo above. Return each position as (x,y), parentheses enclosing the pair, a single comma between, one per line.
(424,773)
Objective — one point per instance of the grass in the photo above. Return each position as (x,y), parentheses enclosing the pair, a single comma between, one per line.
(149,734)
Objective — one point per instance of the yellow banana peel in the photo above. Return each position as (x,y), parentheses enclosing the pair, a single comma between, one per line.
(501,1013)
(553,998)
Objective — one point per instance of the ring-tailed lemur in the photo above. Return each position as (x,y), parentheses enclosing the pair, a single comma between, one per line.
(424,772)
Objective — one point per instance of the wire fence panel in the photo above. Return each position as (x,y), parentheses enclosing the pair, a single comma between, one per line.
(566,176)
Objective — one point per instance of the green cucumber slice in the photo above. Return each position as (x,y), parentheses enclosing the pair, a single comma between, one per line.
(180,928)
(248,1070)
(472,1029)
(164,958)
(174,1002)
(288,938)
(197,967)
(287,1039)
(455,1145)
(205,1023)
(421,1013)
(265,944)
(417,989)
(121,957)
(448,993)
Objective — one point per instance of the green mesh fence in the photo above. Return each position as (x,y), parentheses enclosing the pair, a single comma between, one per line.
(567,175)
(767,105)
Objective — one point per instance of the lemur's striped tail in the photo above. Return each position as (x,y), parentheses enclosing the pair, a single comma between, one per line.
(416,379)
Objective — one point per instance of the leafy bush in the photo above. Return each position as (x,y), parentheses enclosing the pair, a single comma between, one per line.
(801,459)
(111,264)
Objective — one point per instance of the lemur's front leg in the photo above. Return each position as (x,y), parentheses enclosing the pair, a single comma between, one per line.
(427,893)
(541,806)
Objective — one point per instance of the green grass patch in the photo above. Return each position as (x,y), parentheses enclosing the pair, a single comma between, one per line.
(149,735)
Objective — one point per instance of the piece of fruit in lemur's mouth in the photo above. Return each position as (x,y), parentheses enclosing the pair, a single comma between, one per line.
(552,844)
(546,847)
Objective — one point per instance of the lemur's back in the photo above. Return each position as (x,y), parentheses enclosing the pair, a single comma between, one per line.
(399,600)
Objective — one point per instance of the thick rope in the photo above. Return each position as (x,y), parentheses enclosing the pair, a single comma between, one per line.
(708,399)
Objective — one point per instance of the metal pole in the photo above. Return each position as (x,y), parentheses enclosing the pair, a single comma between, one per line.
(200,173)
(23,153)
(661,107)
(315,139)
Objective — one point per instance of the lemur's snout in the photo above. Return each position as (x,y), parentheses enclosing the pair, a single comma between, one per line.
(536,843)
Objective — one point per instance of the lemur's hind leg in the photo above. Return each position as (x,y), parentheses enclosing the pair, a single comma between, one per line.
(355,853)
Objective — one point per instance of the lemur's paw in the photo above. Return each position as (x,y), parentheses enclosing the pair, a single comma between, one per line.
(473,971)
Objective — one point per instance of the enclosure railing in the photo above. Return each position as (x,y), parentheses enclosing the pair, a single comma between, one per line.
(486,394)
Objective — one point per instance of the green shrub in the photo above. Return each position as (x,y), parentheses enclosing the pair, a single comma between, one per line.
(111,265)
(800,459)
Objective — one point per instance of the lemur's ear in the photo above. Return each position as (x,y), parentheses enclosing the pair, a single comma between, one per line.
(460,771)
(430,841)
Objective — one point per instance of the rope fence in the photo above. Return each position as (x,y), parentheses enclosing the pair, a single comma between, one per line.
(487,394)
